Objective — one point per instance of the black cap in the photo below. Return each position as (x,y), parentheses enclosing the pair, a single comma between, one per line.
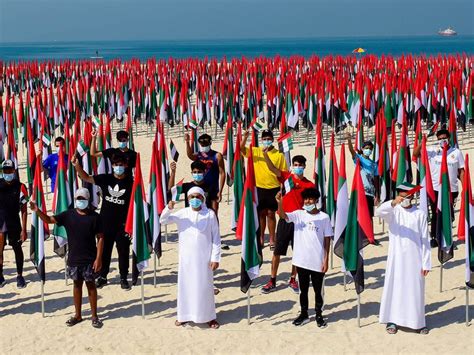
(267,133)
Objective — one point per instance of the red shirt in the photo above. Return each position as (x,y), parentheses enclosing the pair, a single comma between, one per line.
(293,201)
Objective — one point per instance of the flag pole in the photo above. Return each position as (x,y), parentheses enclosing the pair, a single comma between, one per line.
(65,269)
(143,295)
(228,195)
(332,253)
(42,298)
(166,233)
(154,269)
(358,310)
(344,280)
(248,306)
(441,278)
(467,306)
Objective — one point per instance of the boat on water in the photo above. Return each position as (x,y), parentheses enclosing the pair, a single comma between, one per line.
(447,32)
(97,56)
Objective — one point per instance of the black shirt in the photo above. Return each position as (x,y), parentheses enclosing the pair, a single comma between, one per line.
(81,235)
(210,195)
(12,197)
(130,156)
(115,199)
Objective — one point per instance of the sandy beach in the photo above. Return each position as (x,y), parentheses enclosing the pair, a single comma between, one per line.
(24,330)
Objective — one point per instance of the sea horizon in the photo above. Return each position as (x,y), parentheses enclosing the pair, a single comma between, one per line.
(237,47)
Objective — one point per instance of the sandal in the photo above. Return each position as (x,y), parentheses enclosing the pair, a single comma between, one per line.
(272,247)
(73,321)
(97,323)
(180,324)
(391,328)
(424,331)
(216,291)
(213,324)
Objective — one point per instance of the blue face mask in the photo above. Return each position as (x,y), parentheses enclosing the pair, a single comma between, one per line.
(267,143)
(123,145)
(81,204)
(367,152)
(198,177)
(298,170)
(309,208)
(119,170)
(9,177)
(195,202)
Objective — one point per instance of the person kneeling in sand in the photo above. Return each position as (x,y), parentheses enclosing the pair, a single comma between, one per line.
(199,257)
(84,259)
(312,235)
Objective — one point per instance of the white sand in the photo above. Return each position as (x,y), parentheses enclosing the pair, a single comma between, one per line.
(23,330)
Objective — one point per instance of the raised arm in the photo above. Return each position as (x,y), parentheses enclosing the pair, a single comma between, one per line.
(245,135)
(417,151)
(172,174)
(270,165)
(349,144)
(43,216)
(80,171)
(189,150)
(94,151)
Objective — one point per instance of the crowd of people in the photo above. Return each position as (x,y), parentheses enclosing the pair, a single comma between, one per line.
(301,224)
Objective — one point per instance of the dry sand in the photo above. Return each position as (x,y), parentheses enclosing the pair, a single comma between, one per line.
(23,330)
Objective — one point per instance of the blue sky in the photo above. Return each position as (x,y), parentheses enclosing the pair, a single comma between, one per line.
(76,20)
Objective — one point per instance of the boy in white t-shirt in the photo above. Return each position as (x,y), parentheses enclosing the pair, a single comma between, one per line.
(312,235)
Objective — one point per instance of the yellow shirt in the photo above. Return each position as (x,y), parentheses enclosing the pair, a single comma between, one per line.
(264,178)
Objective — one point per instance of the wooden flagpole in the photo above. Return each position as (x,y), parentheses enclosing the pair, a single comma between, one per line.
(143,294)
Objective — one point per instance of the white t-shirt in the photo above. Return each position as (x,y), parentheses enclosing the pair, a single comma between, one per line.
(455,162)
(308,240)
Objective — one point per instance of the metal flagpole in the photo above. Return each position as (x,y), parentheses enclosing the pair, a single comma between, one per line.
(154,269)
(228,195)
(65,269)
(344,279)
(248,306)
(441,278)
(358,310)
(332,253)
(42,297)
(143,296)
(166,234)
(467,306)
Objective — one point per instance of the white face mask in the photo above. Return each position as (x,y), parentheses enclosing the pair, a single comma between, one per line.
(407,202)
(204,149)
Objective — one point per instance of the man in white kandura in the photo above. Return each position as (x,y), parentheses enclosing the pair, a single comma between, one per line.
(199,256)
(408,262)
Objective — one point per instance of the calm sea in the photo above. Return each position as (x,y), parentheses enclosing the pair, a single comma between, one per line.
(429,45)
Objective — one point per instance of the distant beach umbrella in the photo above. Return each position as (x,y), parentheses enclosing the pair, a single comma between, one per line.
(359,50)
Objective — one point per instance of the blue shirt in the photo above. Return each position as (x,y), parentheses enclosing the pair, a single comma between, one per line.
(369,170)
(51,165)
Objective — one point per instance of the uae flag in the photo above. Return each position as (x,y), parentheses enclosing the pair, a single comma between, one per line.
(61,202)
(174,151)
(248,230)
(427,193)
(359,232)
(82,148)
(402,171)
(288,185)
(177,190)
(156,203)
(238,177)
(444,225)
(384,169)
(433,129)
(39,229)
(342,206)
(285,143)
(333,181)
(466,224)
(228,151)
(320,166)
(137,221)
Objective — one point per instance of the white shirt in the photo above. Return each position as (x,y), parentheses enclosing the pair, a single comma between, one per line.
(455,162)
(308,241)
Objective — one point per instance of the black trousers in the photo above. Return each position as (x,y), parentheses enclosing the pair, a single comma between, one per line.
(122,243)
(304,276)
(434,207)
(370,204)
(15,242)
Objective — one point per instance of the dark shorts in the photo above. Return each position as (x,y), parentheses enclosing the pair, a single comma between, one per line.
(266,199)
(284,237)
(82,273)
(11,237)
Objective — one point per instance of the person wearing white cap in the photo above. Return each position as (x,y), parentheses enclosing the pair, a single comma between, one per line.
(199,257)
(84,259)
(408,262)
(13,196)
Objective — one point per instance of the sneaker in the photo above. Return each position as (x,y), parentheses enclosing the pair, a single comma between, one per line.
(134,281)
(125,285)
(293,284)
(376,242)
(101,282)
(434,243)
(320,322)
(301,320)
(269,287)
(20,282)
(225,247)
(2,281)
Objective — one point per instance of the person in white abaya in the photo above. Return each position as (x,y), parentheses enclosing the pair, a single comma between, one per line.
(408,262)
(199,256)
